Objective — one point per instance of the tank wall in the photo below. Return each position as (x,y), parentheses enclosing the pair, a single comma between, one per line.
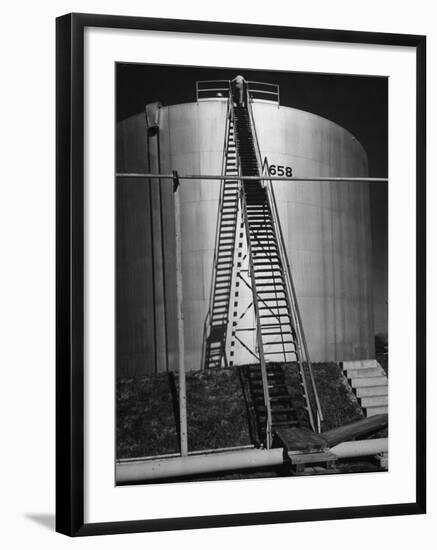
(135,347)
(326,227)
(190,140)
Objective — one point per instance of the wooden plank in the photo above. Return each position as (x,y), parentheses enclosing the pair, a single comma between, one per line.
(312,458)
(315,470)
(300,439)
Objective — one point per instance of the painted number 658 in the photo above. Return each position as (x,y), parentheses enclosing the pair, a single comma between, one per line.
(278,170)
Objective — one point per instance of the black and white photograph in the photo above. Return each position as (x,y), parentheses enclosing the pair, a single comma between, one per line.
(215,277)
(251,274)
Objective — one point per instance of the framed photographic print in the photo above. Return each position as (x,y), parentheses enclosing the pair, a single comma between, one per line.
(240,274)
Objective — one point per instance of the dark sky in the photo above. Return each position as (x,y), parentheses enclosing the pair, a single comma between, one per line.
(357,103)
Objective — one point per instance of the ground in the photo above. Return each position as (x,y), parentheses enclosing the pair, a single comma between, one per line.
(147,413)
(147,409)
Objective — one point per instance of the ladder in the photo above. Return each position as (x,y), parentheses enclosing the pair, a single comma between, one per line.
(268,273)
(279,332)
(276,318)
(214,343)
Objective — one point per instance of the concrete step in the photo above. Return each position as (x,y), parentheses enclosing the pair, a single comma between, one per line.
(369,381)
(371,411)
(370,391)
(347,365)
(363,372)
(374,401)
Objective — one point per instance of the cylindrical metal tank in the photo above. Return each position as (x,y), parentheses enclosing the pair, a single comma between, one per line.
(326,228)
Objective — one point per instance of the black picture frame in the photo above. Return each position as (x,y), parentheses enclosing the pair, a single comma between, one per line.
(70,273)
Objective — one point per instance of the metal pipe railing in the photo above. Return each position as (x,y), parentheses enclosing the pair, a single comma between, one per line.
(284,262)
(200,89)
(211,87)
(252,90)
(291,291)
(301,333)
(219,177)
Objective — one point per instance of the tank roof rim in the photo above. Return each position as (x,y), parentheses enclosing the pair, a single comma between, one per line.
(320,117)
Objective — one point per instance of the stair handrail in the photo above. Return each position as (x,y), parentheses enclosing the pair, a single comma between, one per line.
(299,324)
(217,232)
(264,376)
(289,280)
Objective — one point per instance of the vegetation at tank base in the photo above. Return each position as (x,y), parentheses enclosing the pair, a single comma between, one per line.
(338,402)
(145,417)
(381,349)
(147,413)
(147,409)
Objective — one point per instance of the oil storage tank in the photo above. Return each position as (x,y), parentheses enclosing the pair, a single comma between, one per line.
(326,228)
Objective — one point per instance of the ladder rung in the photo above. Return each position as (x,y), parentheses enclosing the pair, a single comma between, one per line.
(275,325)
(283,410)
(278,291)
(274,271)
(276,387)
(262,241)
(281,332)
(278,352)
(280,398)
(290,423)
(261,261)
(220,300)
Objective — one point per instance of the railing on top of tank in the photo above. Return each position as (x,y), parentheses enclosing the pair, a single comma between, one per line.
(264,91)
(220,89)
(212,89)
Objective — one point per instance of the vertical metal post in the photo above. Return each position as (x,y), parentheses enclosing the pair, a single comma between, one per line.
(180,315)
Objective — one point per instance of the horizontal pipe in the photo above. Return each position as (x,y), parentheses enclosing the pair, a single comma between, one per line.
(173,455)
(365,447)
(360,428)
(245,178)
(147,470)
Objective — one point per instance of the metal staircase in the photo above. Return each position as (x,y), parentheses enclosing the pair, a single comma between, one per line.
(278,340)
(214,353)
(287,410)
(279,333)
(268,272)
